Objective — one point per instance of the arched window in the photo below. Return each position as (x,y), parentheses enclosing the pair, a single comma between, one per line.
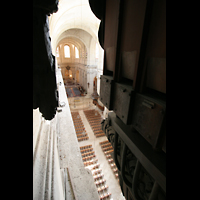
(76,52)
(67,51)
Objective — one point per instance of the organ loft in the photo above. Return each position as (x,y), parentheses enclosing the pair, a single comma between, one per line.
(99,99)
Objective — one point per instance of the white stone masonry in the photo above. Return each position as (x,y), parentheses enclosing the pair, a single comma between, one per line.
(57,161)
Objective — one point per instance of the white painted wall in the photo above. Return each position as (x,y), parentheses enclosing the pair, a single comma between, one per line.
(75,23)
(55,148)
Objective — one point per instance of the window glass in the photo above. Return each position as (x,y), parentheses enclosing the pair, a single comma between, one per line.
(67,51)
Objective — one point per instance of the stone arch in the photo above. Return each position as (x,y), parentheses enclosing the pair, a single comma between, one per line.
(72,15)
(73,42)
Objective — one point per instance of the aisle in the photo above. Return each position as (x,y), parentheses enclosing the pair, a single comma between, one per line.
(111,180)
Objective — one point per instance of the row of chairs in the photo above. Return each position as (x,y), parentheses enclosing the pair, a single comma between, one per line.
(91,162)
(86,147)
(103,188)
(79,127)
(86,150)
(105,196)
(87,154)
(108,149)
(98,177)
(88,157)
(94,119)
(97,171)
(81,135)
(83,138)
(100,183)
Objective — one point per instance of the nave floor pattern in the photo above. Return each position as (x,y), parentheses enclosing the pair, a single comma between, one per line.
(95,153)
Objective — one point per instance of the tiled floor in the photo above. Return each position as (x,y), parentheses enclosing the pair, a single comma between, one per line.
(109,176)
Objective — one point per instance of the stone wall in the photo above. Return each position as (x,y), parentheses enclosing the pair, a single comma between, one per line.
(55,151)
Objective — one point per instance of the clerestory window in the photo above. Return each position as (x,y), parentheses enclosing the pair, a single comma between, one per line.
(67,51)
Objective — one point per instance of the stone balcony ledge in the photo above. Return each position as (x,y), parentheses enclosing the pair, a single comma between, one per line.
(55,151)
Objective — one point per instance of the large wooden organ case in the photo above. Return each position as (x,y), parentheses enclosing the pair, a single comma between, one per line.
(133,86)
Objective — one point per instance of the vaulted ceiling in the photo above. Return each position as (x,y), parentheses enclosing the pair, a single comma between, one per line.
(76,16)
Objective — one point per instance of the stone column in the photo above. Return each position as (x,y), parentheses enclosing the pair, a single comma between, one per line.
(90,85)
(74,75)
